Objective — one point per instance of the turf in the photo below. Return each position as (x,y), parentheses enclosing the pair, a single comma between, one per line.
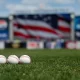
(46,65)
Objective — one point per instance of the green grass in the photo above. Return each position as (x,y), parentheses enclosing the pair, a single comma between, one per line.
(45,65)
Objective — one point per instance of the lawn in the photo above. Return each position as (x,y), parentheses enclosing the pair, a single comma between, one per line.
(46,65)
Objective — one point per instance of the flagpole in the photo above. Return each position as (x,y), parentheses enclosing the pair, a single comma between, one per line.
(10,27)
(72,27)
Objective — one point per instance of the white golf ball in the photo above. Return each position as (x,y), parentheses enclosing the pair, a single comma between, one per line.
(13,59)
(25,59)
(2,59)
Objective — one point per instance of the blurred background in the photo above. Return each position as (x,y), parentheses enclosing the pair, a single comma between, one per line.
(45,30)
(40,24)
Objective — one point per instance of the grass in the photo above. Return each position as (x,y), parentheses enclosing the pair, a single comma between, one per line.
(46,65)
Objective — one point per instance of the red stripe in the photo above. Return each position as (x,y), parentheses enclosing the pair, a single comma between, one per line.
(21,35)
(64,29)
(18,34)
(29,27)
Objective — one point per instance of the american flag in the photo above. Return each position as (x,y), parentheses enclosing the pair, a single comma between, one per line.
(42,26)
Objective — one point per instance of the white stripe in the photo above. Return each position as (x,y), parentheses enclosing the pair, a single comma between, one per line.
(43,34)
(66,34)
(23,31)
(59,33)
(33,23)
(63,24)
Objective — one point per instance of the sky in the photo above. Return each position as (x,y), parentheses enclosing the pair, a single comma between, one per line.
(8,7)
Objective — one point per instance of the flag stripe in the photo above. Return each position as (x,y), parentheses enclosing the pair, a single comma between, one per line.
(64,26)
(23,31)
(63,23)
(29,36)
(22,35)
(64,29)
